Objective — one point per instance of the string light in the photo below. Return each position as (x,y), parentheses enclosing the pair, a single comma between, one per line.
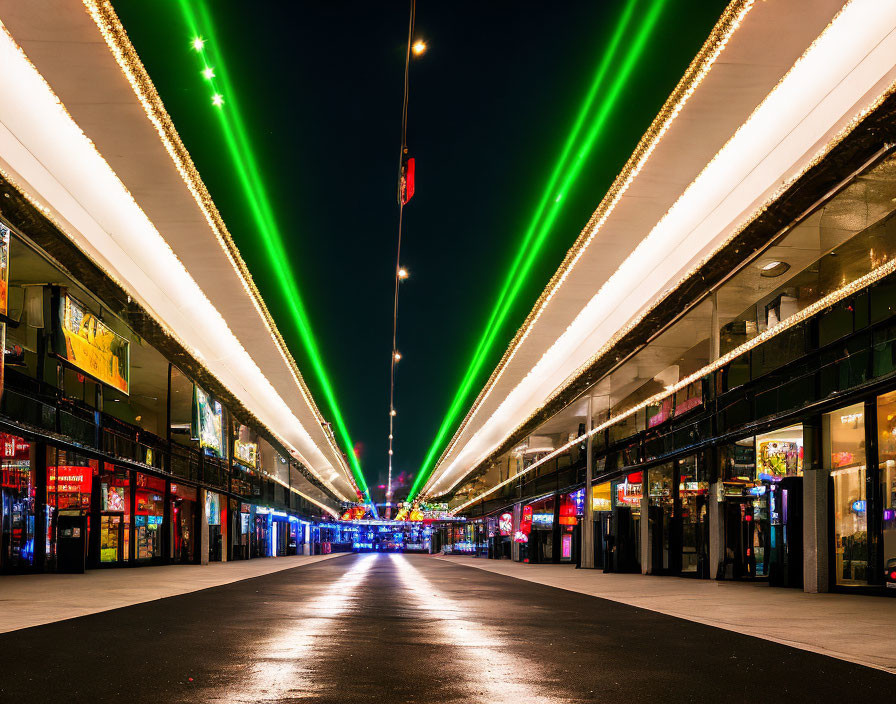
(208,73)
(198,43)
(404,193)
(807,312)
(217,100)
(134,72)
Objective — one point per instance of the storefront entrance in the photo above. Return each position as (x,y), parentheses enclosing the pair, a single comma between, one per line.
(762,487)
(678,518)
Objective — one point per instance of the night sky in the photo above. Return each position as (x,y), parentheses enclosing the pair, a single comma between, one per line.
(320,84)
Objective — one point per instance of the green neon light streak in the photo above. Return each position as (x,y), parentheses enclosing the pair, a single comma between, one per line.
(238,145)
(549,208)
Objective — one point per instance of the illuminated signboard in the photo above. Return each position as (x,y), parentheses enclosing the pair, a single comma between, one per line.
(543,518)
(208,421)
(4,269)
(87,343)
(601,497)
(246,453)
(505,523)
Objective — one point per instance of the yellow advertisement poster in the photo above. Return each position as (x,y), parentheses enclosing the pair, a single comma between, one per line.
(92,347)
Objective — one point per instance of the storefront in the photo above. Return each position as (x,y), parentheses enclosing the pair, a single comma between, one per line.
(185,527)
(149,518)
(113,517)
(216,514)
(678,534)
(18,488)
(762,484)
(624,530)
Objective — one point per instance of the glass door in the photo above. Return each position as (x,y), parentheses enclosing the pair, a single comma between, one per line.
(112,538)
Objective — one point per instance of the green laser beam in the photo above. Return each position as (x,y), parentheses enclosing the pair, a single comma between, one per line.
(236,138)
(548,209)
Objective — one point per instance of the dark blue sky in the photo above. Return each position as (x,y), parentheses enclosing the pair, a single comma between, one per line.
(320,83)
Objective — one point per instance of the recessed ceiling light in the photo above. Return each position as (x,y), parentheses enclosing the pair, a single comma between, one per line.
(774,268)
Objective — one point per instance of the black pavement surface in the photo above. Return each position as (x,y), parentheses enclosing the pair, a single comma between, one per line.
(391,628)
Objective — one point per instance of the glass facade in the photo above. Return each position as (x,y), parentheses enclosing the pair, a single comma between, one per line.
(886,441)
(18,486)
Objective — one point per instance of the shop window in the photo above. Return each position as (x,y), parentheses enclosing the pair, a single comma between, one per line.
(115,514)
(601,497)
(693,491)
(69,483)
(661,502)
(844,441)
(780,454)
(884,351)
(184,516)
(149,515)
(659,412)
(691,396)
(883,300)
(17,489)
(886,430)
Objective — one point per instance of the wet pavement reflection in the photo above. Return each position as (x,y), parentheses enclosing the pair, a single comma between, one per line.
(406,628)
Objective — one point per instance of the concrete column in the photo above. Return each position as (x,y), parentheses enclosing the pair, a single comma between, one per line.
(716,528)
(587,560)
(306,546)
(203,527)
(515,546)
(815,512)
(646,552)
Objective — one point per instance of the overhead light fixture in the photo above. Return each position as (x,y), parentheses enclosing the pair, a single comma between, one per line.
(403,273)
(419,47)
(774,268)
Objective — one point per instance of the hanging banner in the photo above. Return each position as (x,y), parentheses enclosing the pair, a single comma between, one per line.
(88,344)
(4,269)
(208,422)
(246,453)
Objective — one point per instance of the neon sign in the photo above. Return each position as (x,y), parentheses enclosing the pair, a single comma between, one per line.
(505,523)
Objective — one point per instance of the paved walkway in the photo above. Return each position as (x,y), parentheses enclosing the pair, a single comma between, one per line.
(861,629)
(399,629)
(34,599)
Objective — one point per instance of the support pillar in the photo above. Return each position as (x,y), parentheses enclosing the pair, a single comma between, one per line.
(646,552)
(587,560)
(815,512)
(515,546)
(203,527)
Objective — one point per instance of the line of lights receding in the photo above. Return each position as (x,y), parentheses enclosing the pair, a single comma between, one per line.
(405,192)
(213,70)
(567,169)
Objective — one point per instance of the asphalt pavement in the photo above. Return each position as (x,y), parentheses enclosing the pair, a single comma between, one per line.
(396,628)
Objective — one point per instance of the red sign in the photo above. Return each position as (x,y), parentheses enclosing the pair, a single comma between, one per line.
(13,447)
(70,480)
(568,513)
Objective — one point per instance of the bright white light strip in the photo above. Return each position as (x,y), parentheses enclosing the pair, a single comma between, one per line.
(61,167)
(848,67)
(786,324)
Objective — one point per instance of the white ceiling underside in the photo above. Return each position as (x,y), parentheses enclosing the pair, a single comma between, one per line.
(755,122)
(98,167)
